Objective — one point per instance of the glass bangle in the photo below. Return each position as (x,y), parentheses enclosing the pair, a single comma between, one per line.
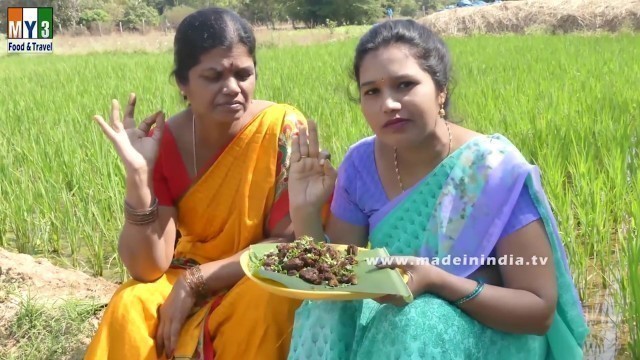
(472,295)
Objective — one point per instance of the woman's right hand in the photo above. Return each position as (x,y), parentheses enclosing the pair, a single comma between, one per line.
(312,178)
(136,149)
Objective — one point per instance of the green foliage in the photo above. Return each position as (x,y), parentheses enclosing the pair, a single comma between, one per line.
(311,13)
(263,11)
(136,12)
(176,14)
(345,12)
(49,331)
(93,16)
(407,7)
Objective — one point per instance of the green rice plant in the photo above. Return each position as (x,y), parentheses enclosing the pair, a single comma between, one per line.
(567,102)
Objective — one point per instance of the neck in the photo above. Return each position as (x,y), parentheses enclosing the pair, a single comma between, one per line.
(428,152)
(211,132)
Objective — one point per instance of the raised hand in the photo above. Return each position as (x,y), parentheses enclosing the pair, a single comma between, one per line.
(311,175)
(137,150)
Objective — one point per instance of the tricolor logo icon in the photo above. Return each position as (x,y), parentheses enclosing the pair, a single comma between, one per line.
(30,30)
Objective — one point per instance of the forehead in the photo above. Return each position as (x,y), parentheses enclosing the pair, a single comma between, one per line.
(389,61)
(221,58)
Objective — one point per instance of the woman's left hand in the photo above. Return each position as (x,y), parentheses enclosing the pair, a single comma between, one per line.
(421,276)
(172,315)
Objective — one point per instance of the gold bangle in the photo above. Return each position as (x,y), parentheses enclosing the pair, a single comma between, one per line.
(189,281)
(198,285)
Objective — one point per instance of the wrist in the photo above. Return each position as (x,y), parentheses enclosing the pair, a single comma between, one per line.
(139,190)
(306,212)
(184,286)
(138,176)
(435,282)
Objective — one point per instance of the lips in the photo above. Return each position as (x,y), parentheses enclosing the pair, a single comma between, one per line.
(395,121)
(230,103)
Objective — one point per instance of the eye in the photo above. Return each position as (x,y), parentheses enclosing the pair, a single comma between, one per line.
(211,77)
(372,91)
(243,75)
(406,84)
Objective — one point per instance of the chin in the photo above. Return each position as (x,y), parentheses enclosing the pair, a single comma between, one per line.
(229,116)
(401,140)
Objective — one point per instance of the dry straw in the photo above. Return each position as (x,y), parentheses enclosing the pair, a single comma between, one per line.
(554,16)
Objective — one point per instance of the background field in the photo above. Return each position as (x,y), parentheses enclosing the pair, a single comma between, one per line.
(570,103)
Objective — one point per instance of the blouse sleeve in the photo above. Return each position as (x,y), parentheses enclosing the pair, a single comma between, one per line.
(160,182)
(343,205)
(524,213)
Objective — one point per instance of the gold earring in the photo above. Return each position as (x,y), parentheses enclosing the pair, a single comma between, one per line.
(442,112)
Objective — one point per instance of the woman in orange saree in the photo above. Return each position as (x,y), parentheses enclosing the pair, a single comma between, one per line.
(238,199)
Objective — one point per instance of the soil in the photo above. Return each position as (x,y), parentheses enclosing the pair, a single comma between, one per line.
(22,276)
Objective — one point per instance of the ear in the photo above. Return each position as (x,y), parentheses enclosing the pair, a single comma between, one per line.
(183,89)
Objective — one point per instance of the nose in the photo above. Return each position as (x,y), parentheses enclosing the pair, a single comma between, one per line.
(231,87)
(389,104)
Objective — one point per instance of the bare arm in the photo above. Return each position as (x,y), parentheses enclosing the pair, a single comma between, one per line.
(146,250)
(527,302)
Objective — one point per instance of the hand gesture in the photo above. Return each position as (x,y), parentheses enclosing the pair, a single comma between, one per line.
(311,176)
(420,277)
(135,148)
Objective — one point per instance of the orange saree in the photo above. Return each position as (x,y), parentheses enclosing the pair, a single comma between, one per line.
(223,213)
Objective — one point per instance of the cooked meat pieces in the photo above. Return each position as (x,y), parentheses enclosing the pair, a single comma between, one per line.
(310,275)
(269,262)
(293,264)
(324,269)
(315,263)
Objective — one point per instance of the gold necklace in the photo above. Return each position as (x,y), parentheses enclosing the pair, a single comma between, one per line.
(395,156)
(193,134)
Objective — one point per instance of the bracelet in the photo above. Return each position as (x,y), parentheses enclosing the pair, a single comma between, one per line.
(472,295)
(141,217)
(195,281)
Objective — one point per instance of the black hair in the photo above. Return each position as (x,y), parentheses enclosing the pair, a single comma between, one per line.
(205,30)
(427,48)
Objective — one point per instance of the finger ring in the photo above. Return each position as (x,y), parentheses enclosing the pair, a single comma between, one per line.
(303,156)
(410,275)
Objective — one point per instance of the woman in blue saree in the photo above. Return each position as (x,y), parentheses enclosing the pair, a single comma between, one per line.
(426,188)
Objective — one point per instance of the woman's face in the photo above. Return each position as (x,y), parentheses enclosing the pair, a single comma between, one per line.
(222,85)
(399,100)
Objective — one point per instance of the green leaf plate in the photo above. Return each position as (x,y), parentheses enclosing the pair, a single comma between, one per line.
(372,282)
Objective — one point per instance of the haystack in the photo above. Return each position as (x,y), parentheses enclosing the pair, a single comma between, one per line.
(525,16)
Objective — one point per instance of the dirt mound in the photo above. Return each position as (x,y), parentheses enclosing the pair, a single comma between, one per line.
(24,280)
(553,16)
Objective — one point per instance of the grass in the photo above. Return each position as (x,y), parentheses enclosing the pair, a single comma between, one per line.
(570,103)
(39,331)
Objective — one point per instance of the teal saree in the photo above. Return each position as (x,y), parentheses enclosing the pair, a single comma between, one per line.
(457,211)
